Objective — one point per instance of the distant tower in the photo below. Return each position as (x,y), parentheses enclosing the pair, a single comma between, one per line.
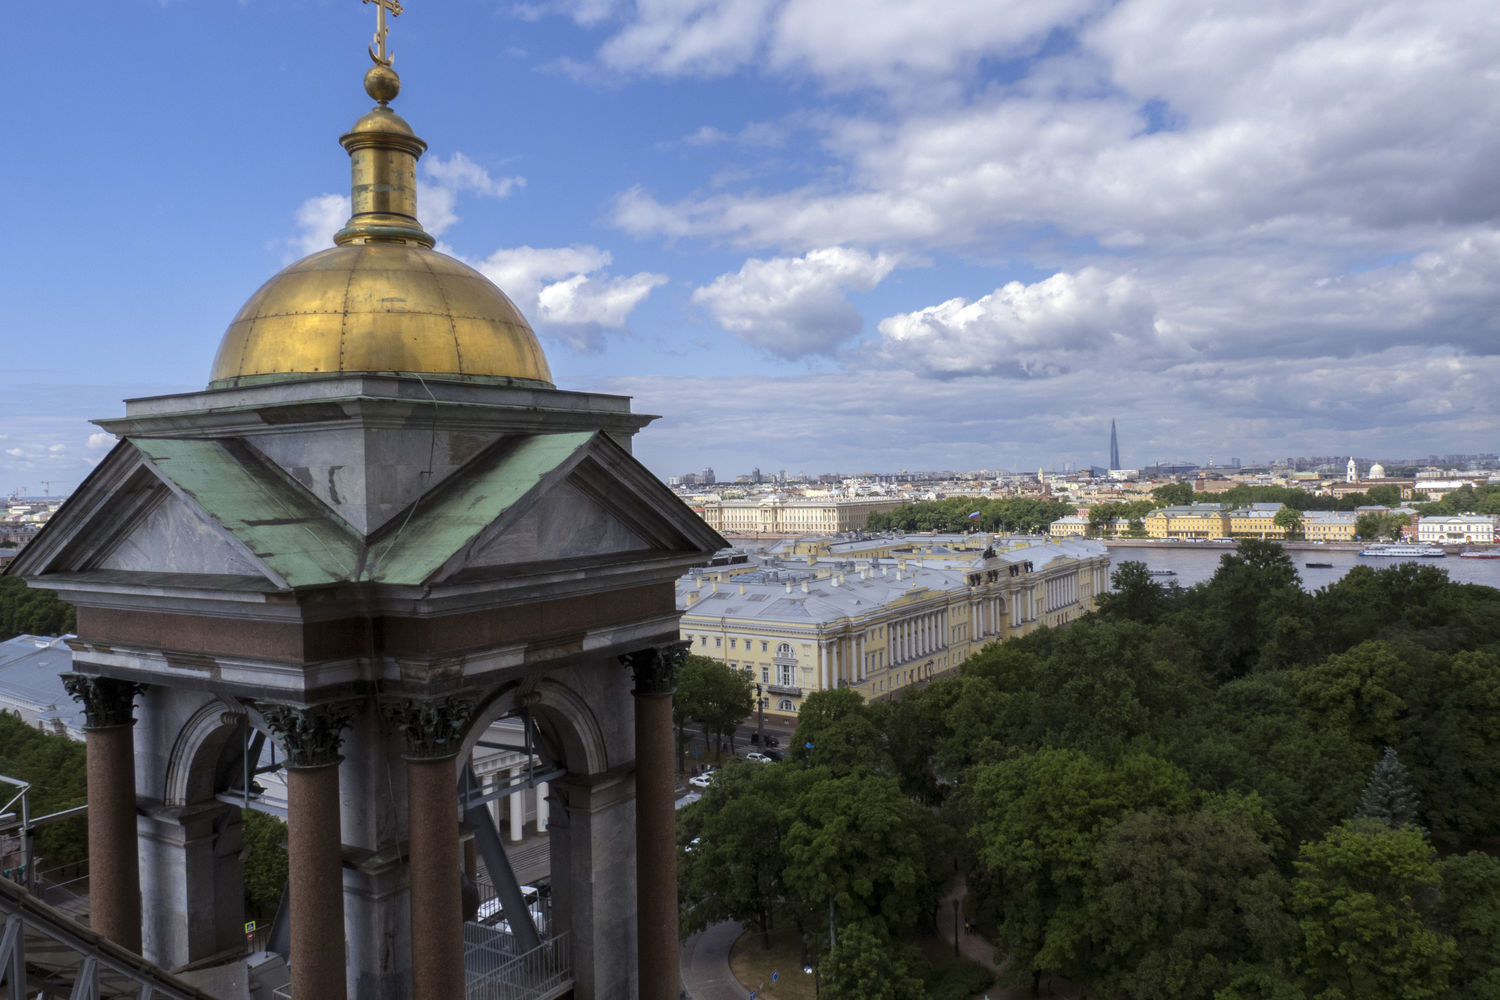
(1352,475)
(1039,477)
(1114,448)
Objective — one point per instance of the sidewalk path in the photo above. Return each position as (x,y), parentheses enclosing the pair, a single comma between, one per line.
(705,964)
(982,951)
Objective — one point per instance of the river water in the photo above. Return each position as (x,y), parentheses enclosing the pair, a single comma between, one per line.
(1195,563)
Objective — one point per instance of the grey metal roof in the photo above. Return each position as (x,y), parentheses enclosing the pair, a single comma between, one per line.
(31,669)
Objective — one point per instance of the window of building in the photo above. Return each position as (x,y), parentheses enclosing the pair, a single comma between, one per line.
(718,641)
(765,675)
(733,642)
(786,674)
(763,645)
(785,705)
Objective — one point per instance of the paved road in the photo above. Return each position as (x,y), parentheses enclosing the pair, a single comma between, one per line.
(705,964)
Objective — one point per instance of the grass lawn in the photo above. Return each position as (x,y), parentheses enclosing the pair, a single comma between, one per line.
(752,965)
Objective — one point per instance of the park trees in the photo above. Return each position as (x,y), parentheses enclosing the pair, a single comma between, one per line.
(27,611)
(1034,823)
(1191,901)
(1365,897)
(712,694)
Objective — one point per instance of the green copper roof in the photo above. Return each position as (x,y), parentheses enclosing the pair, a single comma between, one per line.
(279,522)
(306,544)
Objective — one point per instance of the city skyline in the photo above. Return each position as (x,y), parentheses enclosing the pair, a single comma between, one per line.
(962,237)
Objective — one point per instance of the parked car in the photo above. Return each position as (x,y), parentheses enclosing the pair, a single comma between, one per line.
(702,780)
(770,740)
(758,757)
(776,755)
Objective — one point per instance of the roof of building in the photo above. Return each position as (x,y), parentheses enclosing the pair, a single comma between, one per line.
(31,669)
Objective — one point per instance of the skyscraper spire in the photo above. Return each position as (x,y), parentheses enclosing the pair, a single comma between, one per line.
(1114,448)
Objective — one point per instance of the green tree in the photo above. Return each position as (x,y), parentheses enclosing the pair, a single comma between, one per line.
(1191,902)
(1289,519)
(24,611)
(864,964)
(1034,823)
(57,770)
(730,845)
(1388,798)
(1365,898)
(856,840)
(1173,494)
(265,862)
(841,732)
(1359,691)
(713,694)
(1471,915)
(1386,495)
(1135,595)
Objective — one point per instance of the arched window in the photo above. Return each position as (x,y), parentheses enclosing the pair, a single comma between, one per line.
(785,705)
(786,665)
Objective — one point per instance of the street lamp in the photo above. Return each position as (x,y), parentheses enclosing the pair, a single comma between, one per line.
(760,721)
(955,928)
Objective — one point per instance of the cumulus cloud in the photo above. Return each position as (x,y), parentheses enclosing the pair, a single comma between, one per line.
(890,44)
(1040,329)
(101,439)
(567,293)
(793,307)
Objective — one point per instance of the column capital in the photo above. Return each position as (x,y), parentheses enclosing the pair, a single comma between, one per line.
(431,729)
(655,667)
(107,702)
(310,734)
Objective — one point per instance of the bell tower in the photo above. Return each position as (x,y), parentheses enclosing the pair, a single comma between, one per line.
(378,529)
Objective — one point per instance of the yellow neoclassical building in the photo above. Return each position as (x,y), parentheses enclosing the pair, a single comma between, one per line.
(782,515)
(880,615)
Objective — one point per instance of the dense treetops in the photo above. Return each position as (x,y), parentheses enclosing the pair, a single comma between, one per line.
(1239,790)
(24,611)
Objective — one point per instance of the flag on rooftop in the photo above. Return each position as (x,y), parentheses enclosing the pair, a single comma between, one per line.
(974,516)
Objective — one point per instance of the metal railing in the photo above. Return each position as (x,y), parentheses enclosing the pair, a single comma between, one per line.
(496,972)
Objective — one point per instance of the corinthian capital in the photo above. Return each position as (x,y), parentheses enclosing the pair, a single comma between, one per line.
(106,702)
(655,667)
(310,734)
(432,729)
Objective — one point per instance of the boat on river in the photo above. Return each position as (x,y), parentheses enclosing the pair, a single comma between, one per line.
(1404,550)
(1318,565)
(1479,554)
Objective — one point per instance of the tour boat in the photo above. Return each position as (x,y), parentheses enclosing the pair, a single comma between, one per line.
(1404,550)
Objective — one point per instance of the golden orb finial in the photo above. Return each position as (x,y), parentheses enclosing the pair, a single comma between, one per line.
(382,83)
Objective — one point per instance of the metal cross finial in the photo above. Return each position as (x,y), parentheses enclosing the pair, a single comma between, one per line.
(378,51)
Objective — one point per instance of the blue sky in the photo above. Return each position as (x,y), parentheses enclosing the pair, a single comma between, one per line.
(858,236)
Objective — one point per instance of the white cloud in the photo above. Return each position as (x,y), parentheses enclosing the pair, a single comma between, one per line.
(889,44)
(566,292)
(1044,328)
(101,439)
(316,220)
(795,306)
(15,453)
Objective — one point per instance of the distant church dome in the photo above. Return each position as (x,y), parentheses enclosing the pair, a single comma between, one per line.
(1377,471)
(381,300)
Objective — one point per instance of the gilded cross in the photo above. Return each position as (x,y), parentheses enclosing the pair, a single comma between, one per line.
(378,51)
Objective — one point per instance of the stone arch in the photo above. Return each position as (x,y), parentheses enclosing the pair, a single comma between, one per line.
(193,764)
(564,716)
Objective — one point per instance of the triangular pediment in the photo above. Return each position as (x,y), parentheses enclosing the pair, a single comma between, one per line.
(548,500)
(127,522)
(174,536)
(567,524)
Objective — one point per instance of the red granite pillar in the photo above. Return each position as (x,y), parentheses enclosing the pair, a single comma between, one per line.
(311,737)
(433,731)
(655,821)
(114,854)
(437,930)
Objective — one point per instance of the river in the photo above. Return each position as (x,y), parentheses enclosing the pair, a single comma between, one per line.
(1194,563)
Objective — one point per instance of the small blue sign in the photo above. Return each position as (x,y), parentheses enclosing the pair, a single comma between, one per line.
(775,975)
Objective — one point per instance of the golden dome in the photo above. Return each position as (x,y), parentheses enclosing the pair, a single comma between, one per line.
(381,300)
(379,307)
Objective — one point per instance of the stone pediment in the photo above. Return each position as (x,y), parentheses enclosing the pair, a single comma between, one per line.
(159,508)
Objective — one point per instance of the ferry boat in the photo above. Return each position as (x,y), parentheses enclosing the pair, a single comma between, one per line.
(1404,550)
(1479,554)
(1162,572)
(1318,565)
